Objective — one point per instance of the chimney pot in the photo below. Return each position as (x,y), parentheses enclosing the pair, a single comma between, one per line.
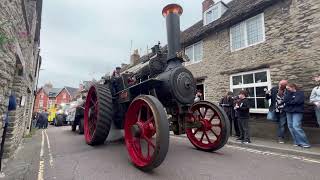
(135,57)
(206,4)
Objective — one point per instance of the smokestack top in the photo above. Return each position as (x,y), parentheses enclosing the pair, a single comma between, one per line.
(172,8)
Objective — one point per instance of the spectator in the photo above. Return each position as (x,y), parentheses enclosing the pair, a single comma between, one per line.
(41,120)
(227,103)
(242,107)
(294,108)
(315,98)
(198,96)
(276,94)
(45,120)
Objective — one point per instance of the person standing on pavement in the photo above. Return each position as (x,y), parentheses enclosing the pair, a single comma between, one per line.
(45,119)
(242,107)
(227,103)
(276,95)
(41,120)
(294,108)
(315,98)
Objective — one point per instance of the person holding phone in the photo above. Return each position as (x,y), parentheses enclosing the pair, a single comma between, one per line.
(315,98)
(276,95)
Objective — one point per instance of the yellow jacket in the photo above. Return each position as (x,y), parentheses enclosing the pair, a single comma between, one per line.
(52,114)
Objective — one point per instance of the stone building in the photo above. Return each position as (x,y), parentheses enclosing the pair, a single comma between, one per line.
(252,44)
(20,22)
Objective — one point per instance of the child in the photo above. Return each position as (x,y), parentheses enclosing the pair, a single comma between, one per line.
(242,107)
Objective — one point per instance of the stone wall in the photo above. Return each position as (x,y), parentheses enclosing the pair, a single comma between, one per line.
(19,66)
(291,51)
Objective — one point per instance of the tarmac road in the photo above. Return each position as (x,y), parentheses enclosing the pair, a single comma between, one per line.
(68,157)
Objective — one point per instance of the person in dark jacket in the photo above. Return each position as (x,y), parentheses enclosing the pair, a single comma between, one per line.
(294,108)
(227,103)
(276,94)
(242,107)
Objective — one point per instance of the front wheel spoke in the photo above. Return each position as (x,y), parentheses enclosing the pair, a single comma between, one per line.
(149,142)
(137,145)
(148,121)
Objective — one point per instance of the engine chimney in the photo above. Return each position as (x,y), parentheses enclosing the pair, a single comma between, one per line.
(172,14)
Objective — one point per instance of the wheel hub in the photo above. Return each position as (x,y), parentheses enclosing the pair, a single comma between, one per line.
(136,132)
(206,125)
(147,129)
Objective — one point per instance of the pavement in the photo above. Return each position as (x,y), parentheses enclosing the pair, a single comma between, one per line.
(58,153)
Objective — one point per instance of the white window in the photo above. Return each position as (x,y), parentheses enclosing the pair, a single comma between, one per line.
(40,103)
(214,13)
(64,96)
(194,53)
(247,33)
(256,83)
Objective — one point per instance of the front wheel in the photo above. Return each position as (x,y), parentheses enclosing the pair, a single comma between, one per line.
(214,131)
(146,132)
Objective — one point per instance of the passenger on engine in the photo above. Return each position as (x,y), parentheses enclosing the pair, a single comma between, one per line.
(116,73)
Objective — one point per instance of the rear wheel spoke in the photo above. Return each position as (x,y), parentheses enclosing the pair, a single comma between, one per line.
(202,137)
(207,137)
(195,132)
(213,133)
(200,113)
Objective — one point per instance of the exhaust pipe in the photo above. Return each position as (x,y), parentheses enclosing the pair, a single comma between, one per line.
(172,13)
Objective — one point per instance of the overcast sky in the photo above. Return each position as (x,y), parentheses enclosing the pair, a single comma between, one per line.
(84,39)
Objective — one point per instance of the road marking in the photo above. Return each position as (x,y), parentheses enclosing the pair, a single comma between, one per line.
(41,163)
(49,148)
(267,153)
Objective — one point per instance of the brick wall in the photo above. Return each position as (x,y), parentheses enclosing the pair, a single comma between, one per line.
(63,97)
(41,96)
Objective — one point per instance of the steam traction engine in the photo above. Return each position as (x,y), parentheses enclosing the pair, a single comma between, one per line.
(158,100)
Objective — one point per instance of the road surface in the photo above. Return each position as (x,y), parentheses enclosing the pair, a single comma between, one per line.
(64,155)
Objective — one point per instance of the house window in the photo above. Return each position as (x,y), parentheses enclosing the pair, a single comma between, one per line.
(256,83)
(212,14)
(247,33)
(194,53)
(64,96)
(40,103)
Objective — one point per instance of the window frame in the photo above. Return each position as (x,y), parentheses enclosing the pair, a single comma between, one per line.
(253,85)
(246,33)
(216,7)
(192,60)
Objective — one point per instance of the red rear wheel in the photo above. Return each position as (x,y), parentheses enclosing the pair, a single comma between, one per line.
(214,131)
(146,132)
(97,114)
